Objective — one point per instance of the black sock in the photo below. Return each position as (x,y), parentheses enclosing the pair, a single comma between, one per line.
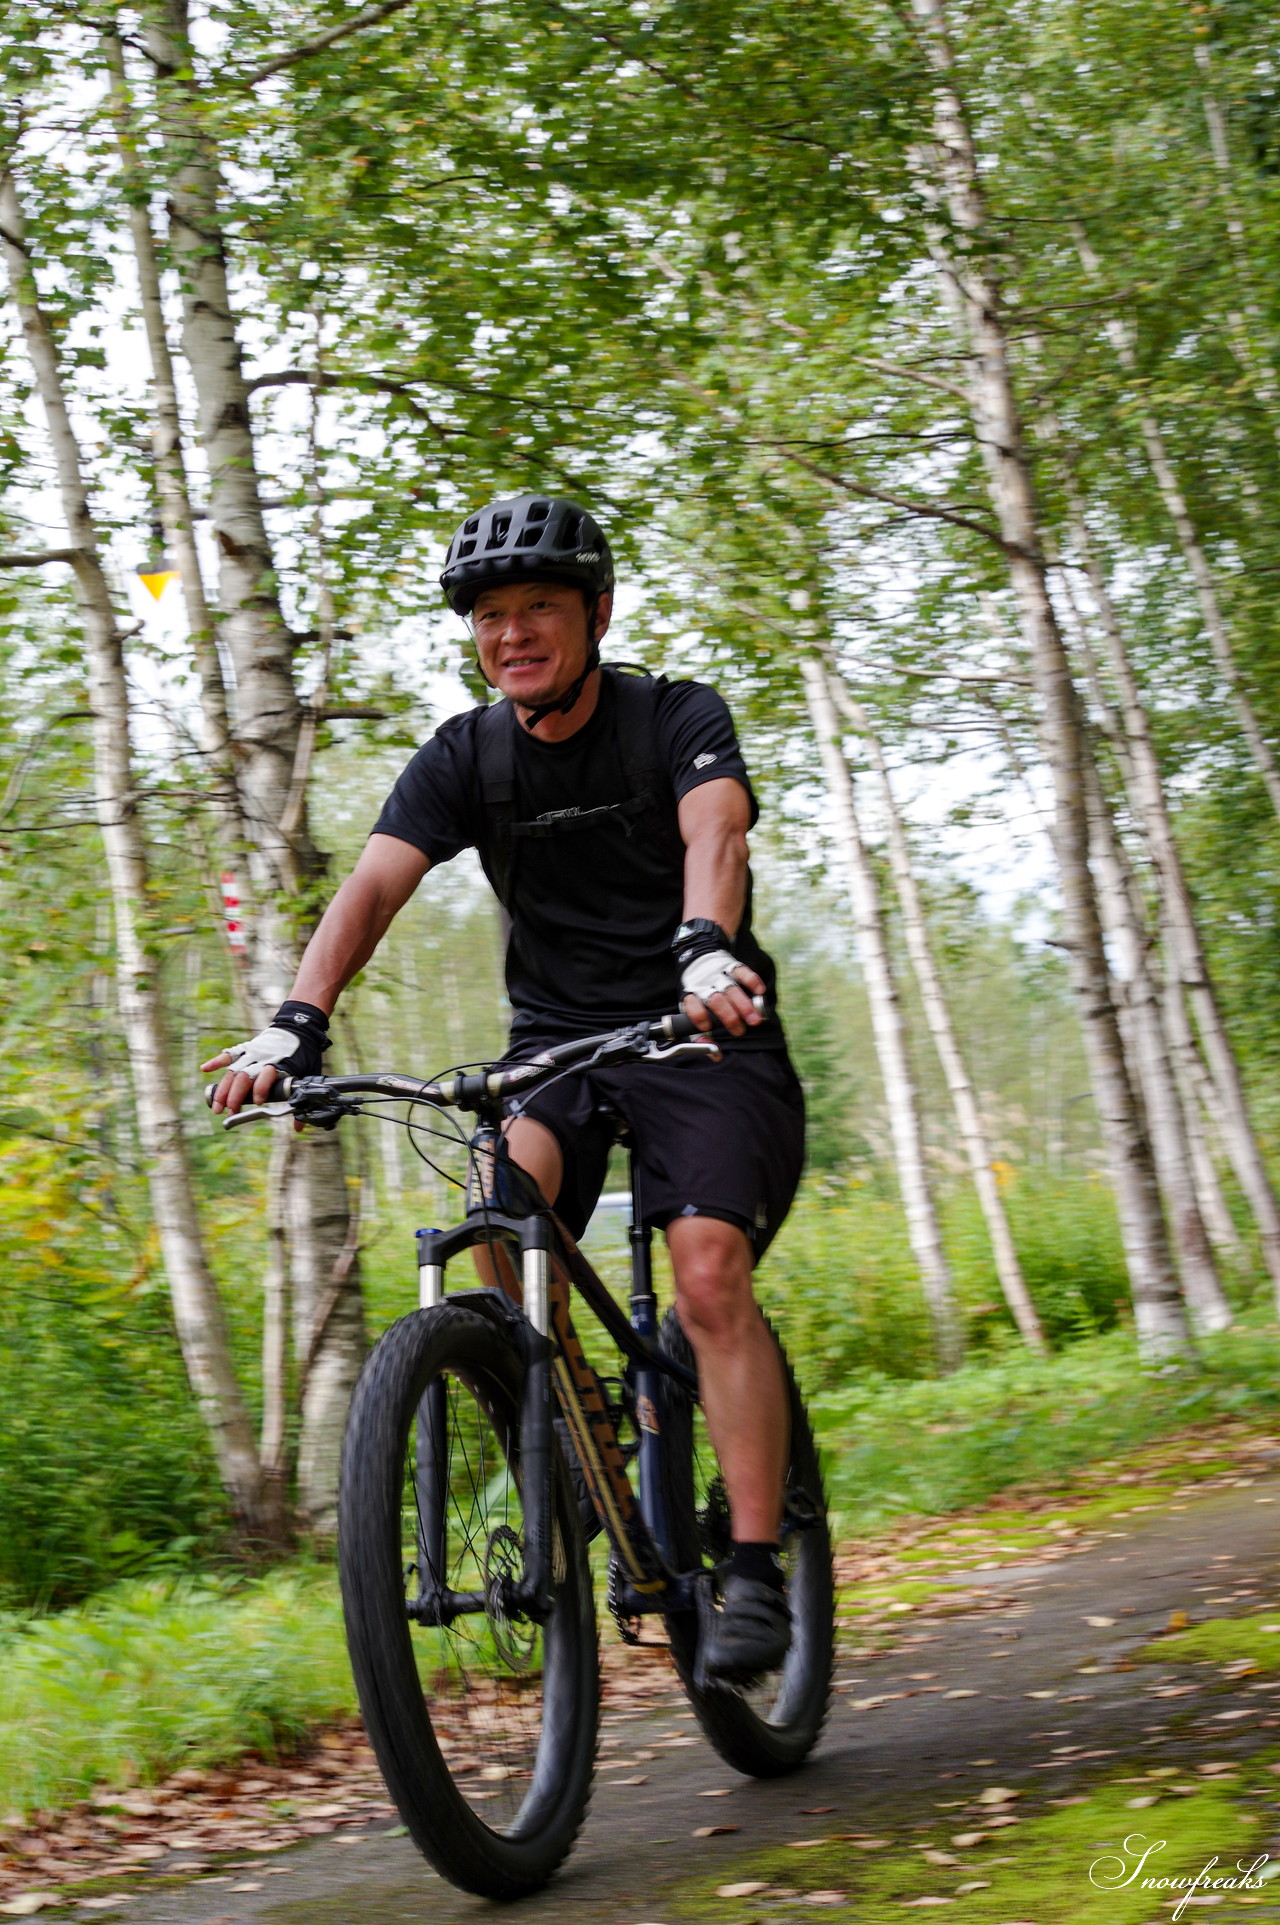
(760,1561)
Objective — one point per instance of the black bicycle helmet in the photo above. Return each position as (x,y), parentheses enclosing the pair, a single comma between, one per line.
(529,538)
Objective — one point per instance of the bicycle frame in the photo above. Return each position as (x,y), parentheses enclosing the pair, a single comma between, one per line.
(550,1265)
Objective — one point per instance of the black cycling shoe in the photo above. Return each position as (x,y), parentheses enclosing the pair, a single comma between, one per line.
(749,1635)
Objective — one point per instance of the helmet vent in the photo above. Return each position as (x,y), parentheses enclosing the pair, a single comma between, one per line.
(465,548)
(538,511)
(471,527)
(499,531)
(528,538)
(571,531)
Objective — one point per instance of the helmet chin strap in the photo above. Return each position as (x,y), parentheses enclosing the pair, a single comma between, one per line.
(565,702)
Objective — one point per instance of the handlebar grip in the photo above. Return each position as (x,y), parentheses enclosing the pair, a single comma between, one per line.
(680,1026)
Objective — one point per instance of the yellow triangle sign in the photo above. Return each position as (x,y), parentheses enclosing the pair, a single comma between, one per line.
(157,583)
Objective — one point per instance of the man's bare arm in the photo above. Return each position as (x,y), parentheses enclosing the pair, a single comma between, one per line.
(358,918)
(350,930)
(714,819)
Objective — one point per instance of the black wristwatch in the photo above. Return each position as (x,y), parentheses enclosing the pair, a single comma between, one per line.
(698,937)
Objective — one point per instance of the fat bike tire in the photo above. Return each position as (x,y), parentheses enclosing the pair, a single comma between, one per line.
(768,1728)
(484,1729)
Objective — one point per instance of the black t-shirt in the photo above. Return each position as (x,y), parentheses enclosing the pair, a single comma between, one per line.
(593,908)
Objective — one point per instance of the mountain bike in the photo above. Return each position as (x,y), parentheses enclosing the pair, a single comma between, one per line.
(479,1442)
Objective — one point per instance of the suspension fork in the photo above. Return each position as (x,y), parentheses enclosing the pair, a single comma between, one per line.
(650,1386)
(534,1594)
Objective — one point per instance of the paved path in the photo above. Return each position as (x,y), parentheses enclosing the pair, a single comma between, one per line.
(878,1768)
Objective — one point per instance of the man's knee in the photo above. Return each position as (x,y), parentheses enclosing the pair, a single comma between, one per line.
(711,1260)
(536,1149)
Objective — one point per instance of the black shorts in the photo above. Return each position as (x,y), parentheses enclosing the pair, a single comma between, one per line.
(710,1139)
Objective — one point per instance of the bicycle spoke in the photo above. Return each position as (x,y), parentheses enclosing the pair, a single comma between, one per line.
(481,1676)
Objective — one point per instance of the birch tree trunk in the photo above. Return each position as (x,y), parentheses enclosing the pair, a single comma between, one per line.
(198,1310)
(269,737)
(887,1025)
(1189,966)
(230,830)
(1122,913)
(1197,561)
(938,1016)
(972,291)
(1129,733)
(1245,323)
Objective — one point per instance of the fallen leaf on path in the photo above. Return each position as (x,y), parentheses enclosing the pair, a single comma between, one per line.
(248,1885)
(940,1857)
(746,1889)
(1041,1694)
(997,1795)
(715,1831)
(1178,1621)
(1140,1804)
(1100,1624)
(27,1904)
(973,1885)
(966,1838)
(805,1844)
(909,1902)
(863,1844)
(643,1779)
(1227,1764)
(963,1693)
(816,1811)
(721,1791)
(823,1898)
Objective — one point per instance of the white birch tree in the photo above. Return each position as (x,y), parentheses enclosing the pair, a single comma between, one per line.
(198,1311)
(938,1015)
(950,170)
(901,1098)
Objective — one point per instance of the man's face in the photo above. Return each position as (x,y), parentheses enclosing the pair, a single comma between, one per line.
(531,638)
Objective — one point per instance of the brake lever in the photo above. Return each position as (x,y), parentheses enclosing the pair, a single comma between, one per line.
(257,1113)
(692,1046)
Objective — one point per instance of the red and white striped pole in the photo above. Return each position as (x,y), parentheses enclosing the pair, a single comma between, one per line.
(231,911)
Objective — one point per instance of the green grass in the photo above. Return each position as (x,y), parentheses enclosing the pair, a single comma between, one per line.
(1038,1870)
(942,1444)
(1254,1640)
(153,1676)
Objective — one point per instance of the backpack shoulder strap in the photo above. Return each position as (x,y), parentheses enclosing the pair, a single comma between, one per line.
(496,768)
(636,702)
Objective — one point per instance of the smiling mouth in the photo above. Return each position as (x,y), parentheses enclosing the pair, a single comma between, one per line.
(525,661)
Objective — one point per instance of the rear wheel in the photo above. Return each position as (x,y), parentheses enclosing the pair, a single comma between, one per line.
(485,1727)
(769,1727)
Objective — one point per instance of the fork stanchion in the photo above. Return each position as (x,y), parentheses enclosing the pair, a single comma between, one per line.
(430,1270)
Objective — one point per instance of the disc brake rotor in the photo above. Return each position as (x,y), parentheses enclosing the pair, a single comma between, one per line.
(515,1639)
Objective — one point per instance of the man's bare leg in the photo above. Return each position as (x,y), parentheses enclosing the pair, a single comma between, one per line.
(744,1393)
(534,1147)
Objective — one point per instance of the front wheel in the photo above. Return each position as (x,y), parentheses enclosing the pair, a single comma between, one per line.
(484,1726)
(768,1728)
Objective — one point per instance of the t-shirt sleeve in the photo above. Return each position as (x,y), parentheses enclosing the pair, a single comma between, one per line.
(433,804)
(696,729)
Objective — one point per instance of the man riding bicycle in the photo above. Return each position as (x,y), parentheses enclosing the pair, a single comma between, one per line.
(610,812)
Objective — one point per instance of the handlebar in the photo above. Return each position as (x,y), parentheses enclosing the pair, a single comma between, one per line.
(323,1100)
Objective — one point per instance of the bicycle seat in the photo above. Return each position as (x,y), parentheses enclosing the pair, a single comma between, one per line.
(619,1128)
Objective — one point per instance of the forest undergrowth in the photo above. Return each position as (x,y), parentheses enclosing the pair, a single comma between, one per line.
(199,1668)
